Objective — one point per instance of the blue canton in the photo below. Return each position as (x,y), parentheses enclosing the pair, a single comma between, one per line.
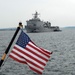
(23,40)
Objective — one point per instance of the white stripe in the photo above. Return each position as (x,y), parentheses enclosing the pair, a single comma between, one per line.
(37,47)
(40,70)
(44,61)
(17,57)
(33,50)
(27,62)
(26,51)
(28,58)
(37,52)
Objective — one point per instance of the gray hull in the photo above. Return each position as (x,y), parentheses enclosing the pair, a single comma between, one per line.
(34,29)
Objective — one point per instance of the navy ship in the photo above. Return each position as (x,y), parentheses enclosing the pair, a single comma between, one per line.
(36,25)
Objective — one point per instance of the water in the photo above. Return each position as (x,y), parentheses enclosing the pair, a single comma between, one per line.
(62,61)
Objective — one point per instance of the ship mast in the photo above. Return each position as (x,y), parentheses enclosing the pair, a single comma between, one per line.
(36,15)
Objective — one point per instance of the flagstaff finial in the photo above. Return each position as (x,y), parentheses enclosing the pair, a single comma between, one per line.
(20,24)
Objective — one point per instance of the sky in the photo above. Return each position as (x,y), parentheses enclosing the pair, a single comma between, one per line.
(59,12)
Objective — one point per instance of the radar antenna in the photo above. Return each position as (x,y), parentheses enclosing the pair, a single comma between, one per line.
(36,14)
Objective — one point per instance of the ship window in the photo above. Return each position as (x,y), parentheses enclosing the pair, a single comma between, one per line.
(34,24)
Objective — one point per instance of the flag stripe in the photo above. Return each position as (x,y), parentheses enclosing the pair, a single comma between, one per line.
(36,70)
(38,57)
(25,52)
(33,53)
(46,51)
(33,63)
(16,53)
(36,53)
(18,59)
(37,50)
(28,61)
(15,57)
(28,58)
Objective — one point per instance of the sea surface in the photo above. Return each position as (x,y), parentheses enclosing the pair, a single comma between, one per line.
(62,61)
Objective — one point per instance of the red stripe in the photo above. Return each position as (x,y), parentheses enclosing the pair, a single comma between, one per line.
(17,54)
(29,60)
(46,51)
(36,54)
(35,70)
(28,65)
(39,50)
(30,55)
(18,59)
(42,48)
(33,63)
(26,59)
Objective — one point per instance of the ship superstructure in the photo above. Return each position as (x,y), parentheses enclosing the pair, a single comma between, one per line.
(36,25)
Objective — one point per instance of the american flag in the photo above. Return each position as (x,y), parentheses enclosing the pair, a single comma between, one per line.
(26,52)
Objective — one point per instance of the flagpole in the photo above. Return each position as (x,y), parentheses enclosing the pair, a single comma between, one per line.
(11,42)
